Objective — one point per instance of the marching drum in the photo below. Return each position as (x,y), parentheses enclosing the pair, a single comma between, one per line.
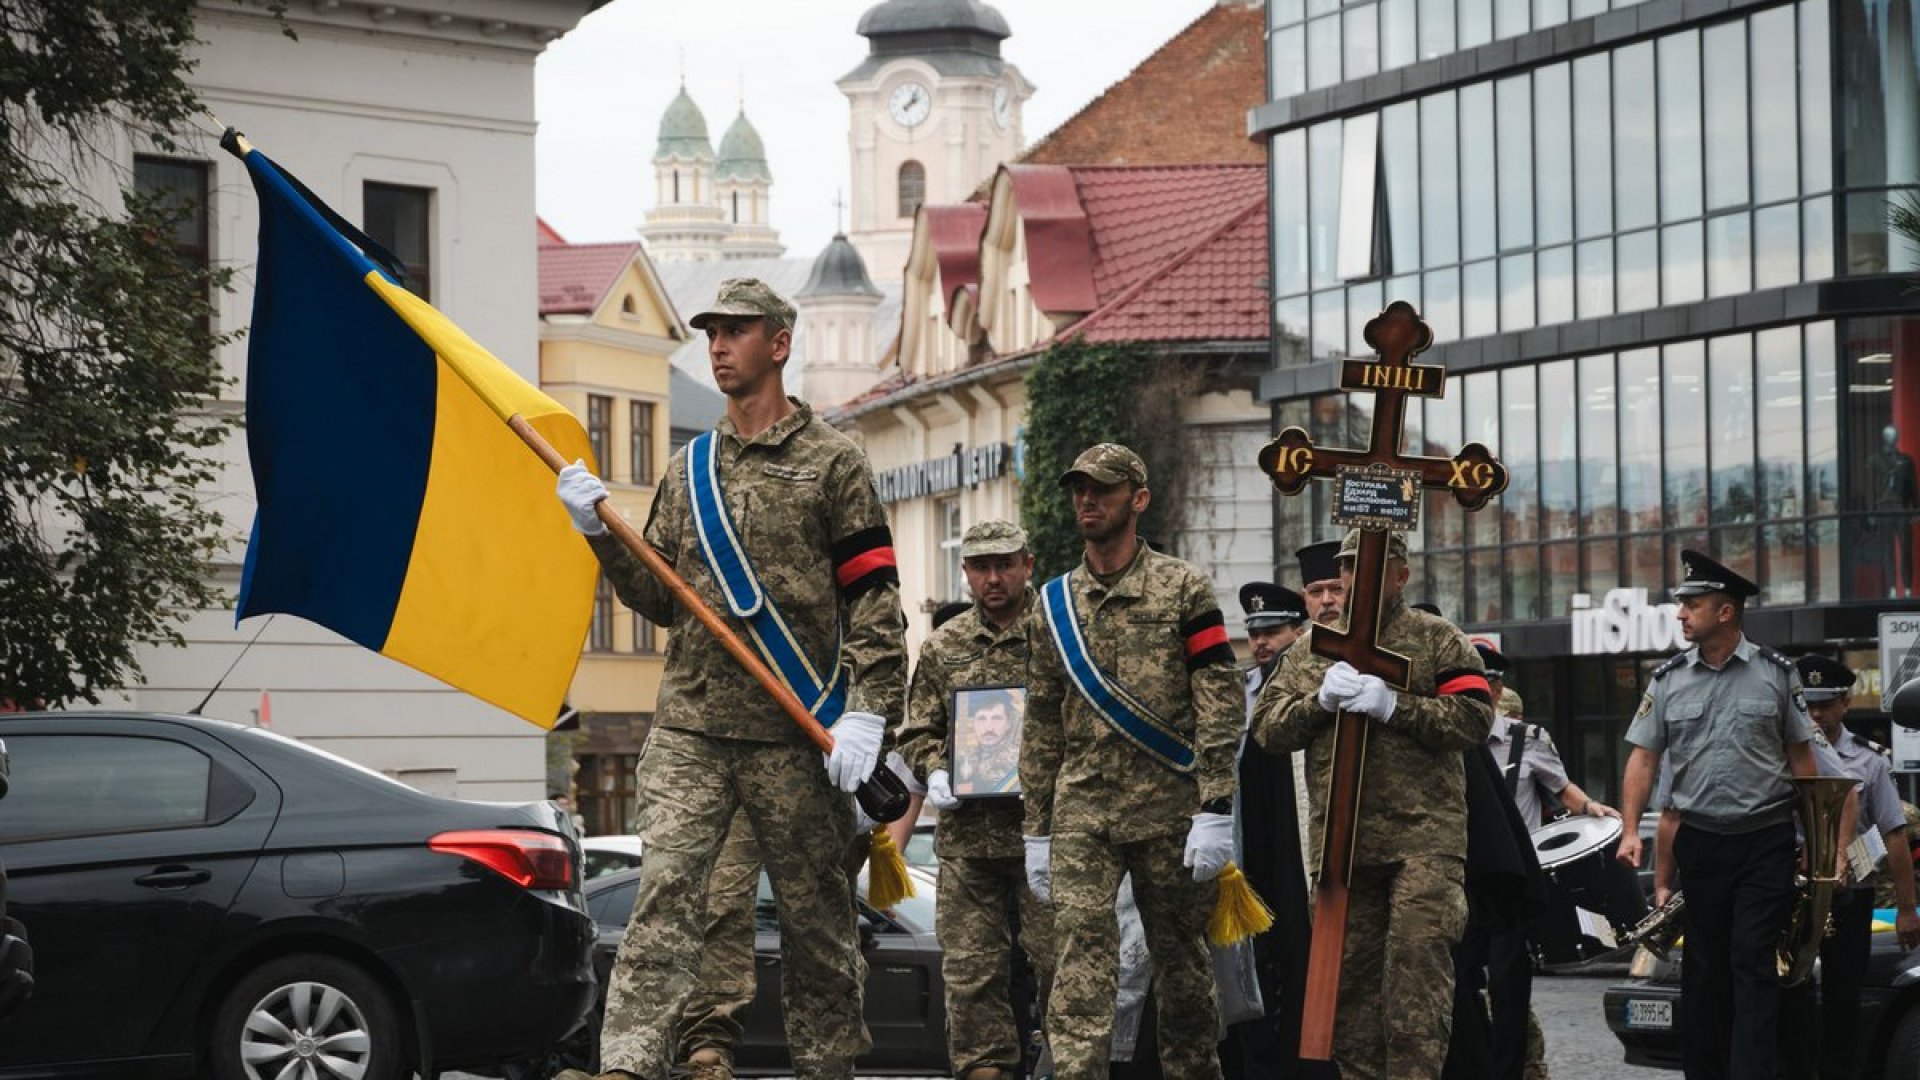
(1591,897)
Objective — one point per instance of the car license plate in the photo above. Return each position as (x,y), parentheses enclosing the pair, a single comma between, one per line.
(1650,1014)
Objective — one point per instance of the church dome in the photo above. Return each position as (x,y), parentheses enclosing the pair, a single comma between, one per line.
(933,16)
(683,130)
(839,271)
(742,156)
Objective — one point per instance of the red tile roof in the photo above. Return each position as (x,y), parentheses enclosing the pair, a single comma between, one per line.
(574,278)
(1143,216)
(546,233)
(1216,290)
(1059,238)
(1186,102)
(954,232)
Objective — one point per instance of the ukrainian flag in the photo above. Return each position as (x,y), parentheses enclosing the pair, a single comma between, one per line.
(396,507)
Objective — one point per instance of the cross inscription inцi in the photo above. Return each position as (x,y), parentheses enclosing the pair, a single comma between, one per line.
(1377,489)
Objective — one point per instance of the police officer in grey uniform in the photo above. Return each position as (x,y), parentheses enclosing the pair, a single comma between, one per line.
(1538,766)
(1843,955)
(1729,716)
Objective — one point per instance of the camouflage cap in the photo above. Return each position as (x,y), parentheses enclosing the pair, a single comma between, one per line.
(746,298)
(1511,705)
(993,538)
(1107,463)
(1396,544)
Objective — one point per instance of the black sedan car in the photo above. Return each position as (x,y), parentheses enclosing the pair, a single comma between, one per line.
(1646,1016)
(209,899)
(905,997)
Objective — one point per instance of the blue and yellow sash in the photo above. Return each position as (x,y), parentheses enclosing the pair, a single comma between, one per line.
(727,561)
(1112,702)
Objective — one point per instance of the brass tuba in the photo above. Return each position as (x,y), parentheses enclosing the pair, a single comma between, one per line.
(1820,800)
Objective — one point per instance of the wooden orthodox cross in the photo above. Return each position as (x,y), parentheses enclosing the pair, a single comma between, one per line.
(1375,489)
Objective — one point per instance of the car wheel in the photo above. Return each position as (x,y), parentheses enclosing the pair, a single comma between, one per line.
(1903,1048)
(307,1017)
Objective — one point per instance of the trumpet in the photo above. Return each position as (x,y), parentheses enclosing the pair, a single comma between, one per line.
(1661,928)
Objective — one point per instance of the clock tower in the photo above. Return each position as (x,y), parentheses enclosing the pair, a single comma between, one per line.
(935,111)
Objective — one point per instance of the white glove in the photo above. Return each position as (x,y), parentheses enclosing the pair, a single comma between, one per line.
(940,791)
(1040,867)
(580,490)
(1339,684)
(1374,698)
(1209,845)
(856,749)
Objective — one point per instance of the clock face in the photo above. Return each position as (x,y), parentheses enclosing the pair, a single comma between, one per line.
(1002,106)
(909,104)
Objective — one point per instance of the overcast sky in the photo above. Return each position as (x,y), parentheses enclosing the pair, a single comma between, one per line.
(602,88)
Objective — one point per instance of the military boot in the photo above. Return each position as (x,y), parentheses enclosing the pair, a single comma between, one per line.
(709,1065)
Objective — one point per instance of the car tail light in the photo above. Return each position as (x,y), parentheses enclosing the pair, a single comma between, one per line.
(532,860)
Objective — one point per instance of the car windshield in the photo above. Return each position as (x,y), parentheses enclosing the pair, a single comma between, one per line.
(915,911)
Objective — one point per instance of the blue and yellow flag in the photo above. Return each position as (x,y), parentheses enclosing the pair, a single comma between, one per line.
(396,507)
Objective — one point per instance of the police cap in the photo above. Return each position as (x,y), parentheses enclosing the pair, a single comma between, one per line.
(1267,604)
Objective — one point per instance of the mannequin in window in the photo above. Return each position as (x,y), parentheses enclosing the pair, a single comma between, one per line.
(1895,494)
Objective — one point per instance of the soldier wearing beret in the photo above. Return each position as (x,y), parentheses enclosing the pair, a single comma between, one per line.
(1843,955)
(793,502)
(1133,715)
(1729,718)
(982,861)
(1407,899)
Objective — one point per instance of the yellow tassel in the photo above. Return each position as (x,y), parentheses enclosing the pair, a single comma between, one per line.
(887,880)
(1238,912)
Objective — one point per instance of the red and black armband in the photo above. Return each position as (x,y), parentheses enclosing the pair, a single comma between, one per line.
(1463,681)
(864,561)
(1206,640)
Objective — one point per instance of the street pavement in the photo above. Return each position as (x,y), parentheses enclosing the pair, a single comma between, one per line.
(1579,1046)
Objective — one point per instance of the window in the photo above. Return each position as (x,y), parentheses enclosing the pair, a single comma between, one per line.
(399,218)
(643,639)
(641,437)
(951,584)
(600,430)
(736,208)
(182,187)
(913,187)
(82,785)
(1360,203)
(600,631)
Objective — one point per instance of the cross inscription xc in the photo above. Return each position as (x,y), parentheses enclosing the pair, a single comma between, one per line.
(1377,489)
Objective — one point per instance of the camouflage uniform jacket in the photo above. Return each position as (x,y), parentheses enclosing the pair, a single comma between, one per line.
(1413,797)
(1154,631)
(967,651)
(803,499)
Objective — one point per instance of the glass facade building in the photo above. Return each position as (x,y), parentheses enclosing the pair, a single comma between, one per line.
(1652,242)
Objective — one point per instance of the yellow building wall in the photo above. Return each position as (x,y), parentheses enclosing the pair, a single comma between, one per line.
(621,353)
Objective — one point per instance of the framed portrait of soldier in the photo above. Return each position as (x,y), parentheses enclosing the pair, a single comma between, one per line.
(984,742)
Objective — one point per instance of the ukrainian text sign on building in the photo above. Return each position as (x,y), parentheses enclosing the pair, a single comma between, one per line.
(964,468)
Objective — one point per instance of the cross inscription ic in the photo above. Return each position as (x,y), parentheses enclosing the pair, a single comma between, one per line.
(1377,489)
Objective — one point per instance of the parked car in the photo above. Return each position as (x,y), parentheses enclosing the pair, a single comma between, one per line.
(920,847)
(16,956)
(603,855)
(209,899)
(905,997)
(1645,1011)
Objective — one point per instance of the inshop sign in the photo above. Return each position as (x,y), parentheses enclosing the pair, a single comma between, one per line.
(1624,623)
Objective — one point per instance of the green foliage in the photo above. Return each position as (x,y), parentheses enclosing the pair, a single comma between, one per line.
(107,356)
(1903,213)
(1078,395)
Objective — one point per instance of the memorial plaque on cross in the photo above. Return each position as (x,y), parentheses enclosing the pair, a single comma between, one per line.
(1376,489)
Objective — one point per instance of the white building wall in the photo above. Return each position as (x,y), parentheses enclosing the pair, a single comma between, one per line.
(350,101)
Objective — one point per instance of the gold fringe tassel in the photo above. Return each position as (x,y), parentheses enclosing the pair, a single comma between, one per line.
(887,880)
(1238,912)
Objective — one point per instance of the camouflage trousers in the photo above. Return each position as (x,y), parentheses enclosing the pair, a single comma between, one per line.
(1396,979)
(1174,909)
(976,946)
(690,787)
(728,974)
